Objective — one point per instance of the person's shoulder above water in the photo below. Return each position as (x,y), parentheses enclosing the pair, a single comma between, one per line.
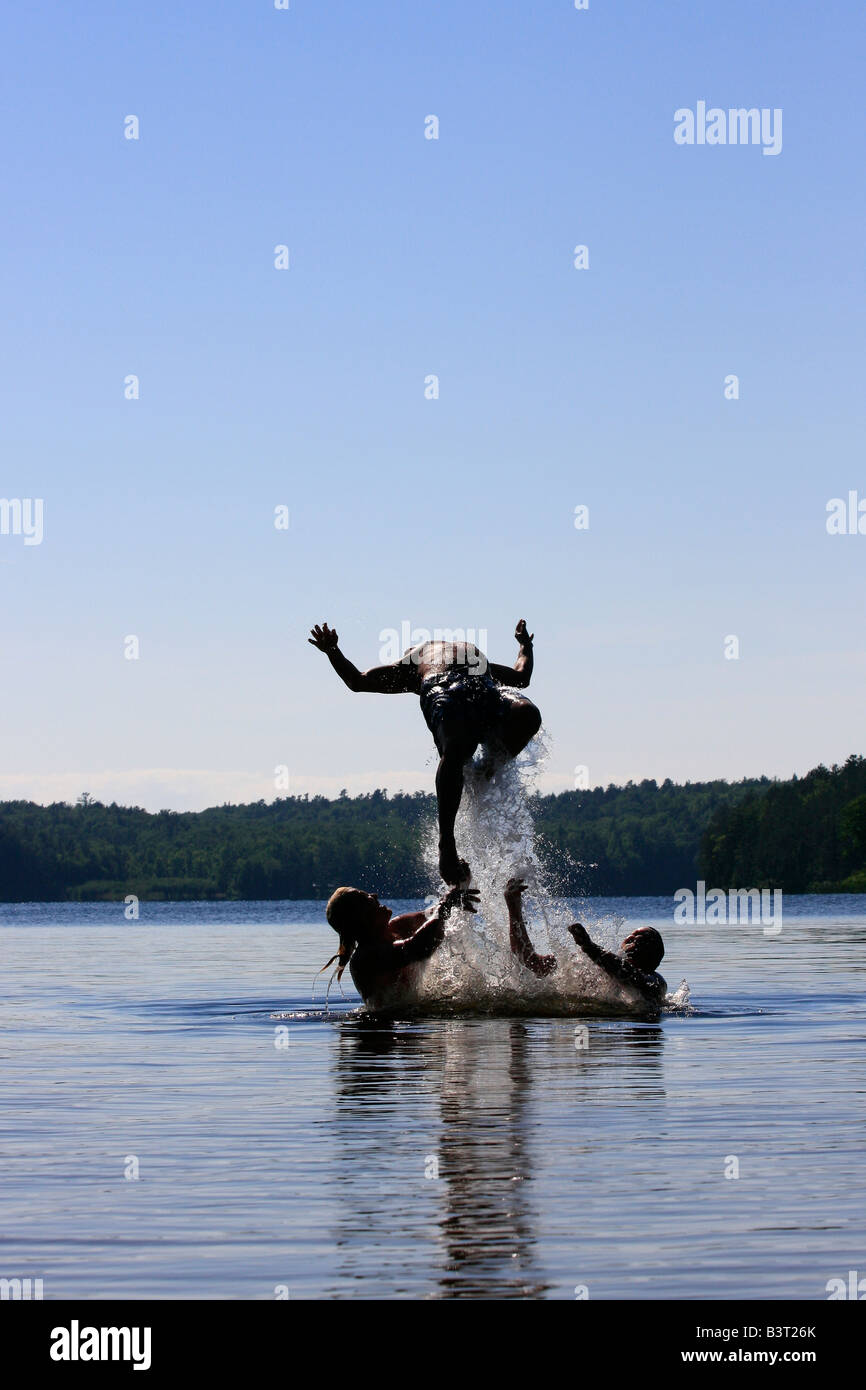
(652,984)
(379,947)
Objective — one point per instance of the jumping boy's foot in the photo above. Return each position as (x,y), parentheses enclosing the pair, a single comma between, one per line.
(452,868)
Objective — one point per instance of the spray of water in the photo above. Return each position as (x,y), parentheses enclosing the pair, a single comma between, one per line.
(474,969)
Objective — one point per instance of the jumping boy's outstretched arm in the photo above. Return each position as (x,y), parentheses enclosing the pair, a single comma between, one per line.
(520,674)
(400,678)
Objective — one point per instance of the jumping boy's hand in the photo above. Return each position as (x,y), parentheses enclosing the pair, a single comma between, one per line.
(323,638)
(524,638)
(581,935)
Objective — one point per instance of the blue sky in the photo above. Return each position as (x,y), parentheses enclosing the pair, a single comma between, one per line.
(305,387)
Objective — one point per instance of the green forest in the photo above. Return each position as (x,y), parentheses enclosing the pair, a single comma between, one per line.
(807,834)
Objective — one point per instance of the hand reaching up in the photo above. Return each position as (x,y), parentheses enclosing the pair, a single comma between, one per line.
(323,638)
(524,638)
(465,898)
(514,890)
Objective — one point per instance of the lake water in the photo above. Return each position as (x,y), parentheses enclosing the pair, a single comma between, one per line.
(311,1168)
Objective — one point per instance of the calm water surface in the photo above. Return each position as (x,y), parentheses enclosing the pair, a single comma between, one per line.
(306,1166)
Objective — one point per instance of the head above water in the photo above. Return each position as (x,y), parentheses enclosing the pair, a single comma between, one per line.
(355,916)
(353,913)
(644,948)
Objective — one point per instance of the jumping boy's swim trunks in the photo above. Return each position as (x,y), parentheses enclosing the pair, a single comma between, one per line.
(475,699)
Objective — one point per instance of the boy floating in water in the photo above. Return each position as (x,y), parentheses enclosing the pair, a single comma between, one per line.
(384,952)
(640,953)
(464,704)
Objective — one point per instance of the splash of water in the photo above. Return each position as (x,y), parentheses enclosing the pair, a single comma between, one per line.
(475,968)
(681,1000)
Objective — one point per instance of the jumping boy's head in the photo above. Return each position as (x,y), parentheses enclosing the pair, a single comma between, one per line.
(644,948)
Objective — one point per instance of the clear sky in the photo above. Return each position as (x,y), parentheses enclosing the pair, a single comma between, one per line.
(411,257)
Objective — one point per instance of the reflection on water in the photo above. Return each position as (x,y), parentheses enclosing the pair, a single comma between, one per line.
(434,1158)
(479,1171)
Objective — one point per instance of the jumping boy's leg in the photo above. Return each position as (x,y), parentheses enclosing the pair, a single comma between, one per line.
(519,722)
(456,749)
(459,716)
(516,721)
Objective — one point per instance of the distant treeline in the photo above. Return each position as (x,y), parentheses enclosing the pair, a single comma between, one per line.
(807,834)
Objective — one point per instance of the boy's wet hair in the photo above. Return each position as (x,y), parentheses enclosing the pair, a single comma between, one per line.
(344,907)
(342,910)
(649,945)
